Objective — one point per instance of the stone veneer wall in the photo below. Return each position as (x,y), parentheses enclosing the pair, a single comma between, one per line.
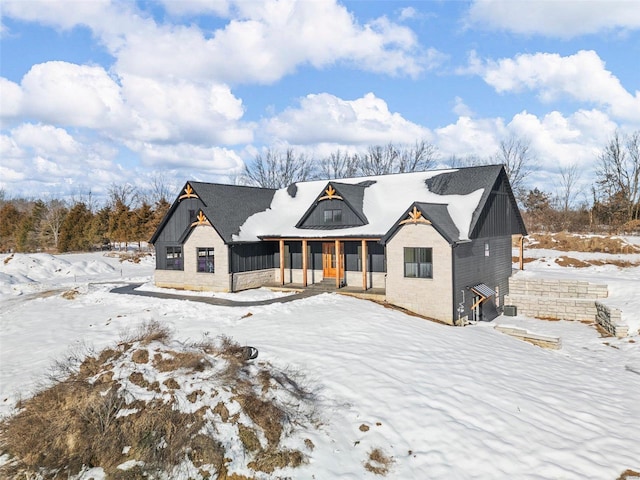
(254,279)
(557,288)
(611,320)
(564,300)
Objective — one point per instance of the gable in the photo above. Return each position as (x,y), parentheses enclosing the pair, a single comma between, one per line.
(181,215)
(338,206)
(226,207)
(499,215)
(435,215)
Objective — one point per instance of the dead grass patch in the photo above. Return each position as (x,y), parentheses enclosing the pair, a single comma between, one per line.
(628,475)
(171,383)
(140,356)
(378,463)
(565,261)
(248,438)
(270,460)
(90,417)
(148,332)
(190,361)
(525,260)
(70,294)
(266,415)
(567,242)
(364,428)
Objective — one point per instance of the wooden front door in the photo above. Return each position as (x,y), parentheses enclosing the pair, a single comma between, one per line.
(329,259)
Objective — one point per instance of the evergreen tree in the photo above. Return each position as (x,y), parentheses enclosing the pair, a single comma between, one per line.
(9,222)
(75,231)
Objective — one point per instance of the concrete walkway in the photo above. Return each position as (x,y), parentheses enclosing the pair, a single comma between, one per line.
(130,289)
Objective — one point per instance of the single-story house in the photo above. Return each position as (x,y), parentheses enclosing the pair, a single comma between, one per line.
(438,243)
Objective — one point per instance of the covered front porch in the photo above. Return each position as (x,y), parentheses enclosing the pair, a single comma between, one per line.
(345,264)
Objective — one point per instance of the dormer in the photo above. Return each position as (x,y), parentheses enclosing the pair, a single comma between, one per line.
(339,205)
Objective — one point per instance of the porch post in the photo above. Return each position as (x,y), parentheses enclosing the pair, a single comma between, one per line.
(521,252)
(304,263)
(338,273)
(281,242)
(364,265)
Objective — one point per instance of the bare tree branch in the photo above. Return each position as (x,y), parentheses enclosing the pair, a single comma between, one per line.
(278,170)
(619,173)
(518,160)
(569,177)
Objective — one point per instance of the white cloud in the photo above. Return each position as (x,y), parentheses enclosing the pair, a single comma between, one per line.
(327,118)
(208,161)
(582,77)
(461,109)
(478,137)
(563,19)
(196,7)
(556,140)
(69,94)
(182,111)
(40,159)
(261,43)
(10,100)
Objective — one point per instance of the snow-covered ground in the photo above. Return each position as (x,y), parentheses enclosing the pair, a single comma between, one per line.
(444,402)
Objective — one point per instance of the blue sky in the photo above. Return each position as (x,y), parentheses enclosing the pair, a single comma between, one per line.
(95,93)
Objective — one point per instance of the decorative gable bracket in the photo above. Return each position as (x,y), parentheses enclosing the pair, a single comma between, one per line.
(201,220)
(415,216)
(188,193)
(330,194)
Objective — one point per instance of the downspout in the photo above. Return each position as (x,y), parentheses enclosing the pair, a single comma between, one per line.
(453,284)
(230,254)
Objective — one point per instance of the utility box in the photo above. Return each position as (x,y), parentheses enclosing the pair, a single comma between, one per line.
(510,310)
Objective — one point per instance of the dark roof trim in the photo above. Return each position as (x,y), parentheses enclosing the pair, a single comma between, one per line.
(335,195)
(168,215)
(408,213)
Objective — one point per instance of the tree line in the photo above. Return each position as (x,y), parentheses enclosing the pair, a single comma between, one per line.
(54,225)
(612,204)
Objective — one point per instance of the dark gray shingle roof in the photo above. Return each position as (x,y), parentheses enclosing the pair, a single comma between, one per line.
(229,206)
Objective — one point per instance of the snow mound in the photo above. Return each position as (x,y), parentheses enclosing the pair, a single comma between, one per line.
(155,406)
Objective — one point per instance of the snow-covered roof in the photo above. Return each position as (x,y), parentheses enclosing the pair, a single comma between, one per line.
(385,199)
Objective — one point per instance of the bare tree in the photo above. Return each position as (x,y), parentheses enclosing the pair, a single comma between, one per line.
(338,165)
(53,217)
(455,161)
(417,158)
(161,190)
(567,188)
(277,170)
(123,194)
(619,173)
(379,160)
(518,159)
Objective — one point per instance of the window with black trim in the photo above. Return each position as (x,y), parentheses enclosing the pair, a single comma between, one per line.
(205,260)
(333,216)
(418,262)
(174,258)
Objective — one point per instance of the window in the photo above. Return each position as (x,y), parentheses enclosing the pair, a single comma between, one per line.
(174,258)
(418,262)
(205,260)
(333,216)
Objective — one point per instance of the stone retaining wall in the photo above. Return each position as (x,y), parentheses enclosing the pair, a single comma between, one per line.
(553,308)
(565,300)
(610,319)
(557,288)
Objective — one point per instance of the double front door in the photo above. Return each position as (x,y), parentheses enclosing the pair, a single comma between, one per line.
(330,259)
